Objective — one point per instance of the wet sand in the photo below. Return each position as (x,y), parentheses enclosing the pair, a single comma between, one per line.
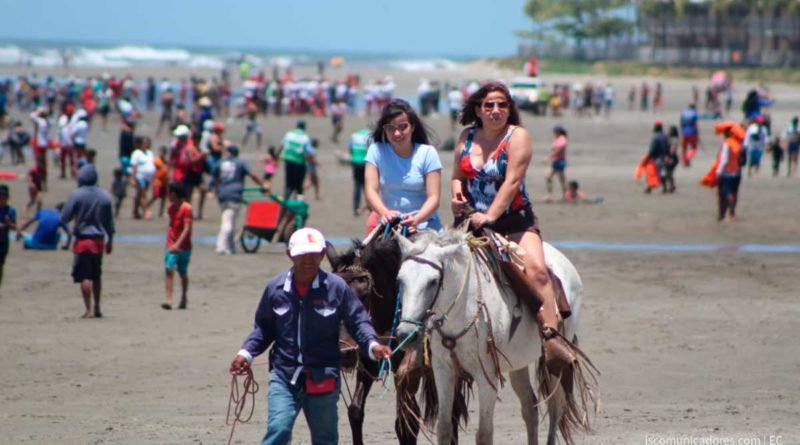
(688,343)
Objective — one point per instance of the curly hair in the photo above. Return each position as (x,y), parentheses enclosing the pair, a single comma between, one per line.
(470,118)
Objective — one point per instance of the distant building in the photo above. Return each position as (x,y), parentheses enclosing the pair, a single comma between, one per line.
(737,33)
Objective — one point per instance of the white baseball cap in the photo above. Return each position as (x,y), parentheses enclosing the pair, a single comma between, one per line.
(306,240)
(181,130)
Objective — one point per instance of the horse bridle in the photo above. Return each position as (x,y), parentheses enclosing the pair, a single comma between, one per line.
(429,311)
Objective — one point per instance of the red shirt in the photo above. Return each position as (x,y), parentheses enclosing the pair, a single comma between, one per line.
(302,290)
(180,214)
(183,158)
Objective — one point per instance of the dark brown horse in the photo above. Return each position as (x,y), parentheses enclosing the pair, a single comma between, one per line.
(371,271)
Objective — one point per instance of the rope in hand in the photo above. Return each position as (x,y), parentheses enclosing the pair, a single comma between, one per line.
(392,332)
(389,375)
(238,400)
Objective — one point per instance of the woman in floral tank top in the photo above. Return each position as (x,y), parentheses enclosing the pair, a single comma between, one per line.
(491,159)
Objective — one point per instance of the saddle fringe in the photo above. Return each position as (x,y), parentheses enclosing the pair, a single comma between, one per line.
(429,399)
(580,378)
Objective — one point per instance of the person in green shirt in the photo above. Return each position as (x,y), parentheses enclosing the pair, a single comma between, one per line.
(359,142)
(295,149)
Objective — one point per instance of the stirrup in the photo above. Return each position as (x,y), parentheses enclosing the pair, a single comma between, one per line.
(557,351)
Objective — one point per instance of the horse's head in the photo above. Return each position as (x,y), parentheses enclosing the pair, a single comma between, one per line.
(348,266)
(425,262)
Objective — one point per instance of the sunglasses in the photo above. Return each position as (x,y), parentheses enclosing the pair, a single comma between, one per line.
(389,128)
(489,105)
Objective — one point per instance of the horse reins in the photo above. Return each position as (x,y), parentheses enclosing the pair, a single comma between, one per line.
(449,341)
(429,312)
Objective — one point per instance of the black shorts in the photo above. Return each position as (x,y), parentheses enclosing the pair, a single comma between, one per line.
(87,266)
(192,179)
(358,173)
(3,253)
(523,220)
(729,185)
(295,176)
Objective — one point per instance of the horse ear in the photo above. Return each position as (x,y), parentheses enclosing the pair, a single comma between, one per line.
(450,251)
(406,245)
(332,255)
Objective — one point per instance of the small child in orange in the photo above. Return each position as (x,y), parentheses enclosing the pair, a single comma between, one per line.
(160,180)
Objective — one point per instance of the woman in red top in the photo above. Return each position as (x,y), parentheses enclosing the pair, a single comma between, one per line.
(491,160)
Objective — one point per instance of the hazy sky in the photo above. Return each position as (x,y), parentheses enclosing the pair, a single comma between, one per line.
(418,27)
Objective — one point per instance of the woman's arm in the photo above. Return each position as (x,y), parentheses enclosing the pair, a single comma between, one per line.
(372,191)
(433,192)
(457,199)
(520,151)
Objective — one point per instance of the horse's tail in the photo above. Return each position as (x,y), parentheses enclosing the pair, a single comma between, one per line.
(579,379)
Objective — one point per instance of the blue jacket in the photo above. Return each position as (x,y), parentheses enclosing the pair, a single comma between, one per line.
(304,333)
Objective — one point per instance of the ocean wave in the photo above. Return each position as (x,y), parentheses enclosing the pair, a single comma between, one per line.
(135,55)
(424,64)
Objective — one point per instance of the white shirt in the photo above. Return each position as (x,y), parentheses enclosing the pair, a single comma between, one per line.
(80,130)
(42,129)
(757,143)
(144,163)
(64,131)
(455,99)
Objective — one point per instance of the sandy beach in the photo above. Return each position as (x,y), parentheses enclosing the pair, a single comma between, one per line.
(692,339)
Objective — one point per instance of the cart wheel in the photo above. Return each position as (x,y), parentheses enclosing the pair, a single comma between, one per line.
(249,242)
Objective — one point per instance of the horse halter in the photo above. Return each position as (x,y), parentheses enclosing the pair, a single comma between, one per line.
(428,312)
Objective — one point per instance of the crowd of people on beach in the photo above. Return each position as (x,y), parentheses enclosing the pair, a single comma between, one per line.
(744,143)
(57,116)
(395,168)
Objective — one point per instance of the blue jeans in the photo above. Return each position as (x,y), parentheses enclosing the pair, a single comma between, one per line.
(284,403)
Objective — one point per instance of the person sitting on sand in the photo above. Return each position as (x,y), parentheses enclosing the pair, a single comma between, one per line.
(575,195)
(46,236)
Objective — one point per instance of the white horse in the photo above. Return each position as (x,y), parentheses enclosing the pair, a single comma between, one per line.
(448,292)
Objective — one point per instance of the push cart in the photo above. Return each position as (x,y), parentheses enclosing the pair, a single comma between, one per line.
(270,218)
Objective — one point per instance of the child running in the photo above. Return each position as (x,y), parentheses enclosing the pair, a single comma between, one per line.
(179,243)
(270,163)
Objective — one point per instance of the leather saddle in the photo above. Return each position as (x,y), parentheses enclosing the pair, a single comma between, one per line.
(499,249)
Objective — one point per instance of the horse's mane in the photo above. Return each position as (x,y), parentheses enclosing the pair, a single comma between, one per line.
(340,262)
(448,237)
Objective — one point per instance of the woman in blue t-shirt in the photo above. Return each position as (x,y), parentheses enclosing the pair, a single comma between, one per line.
(403,173)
